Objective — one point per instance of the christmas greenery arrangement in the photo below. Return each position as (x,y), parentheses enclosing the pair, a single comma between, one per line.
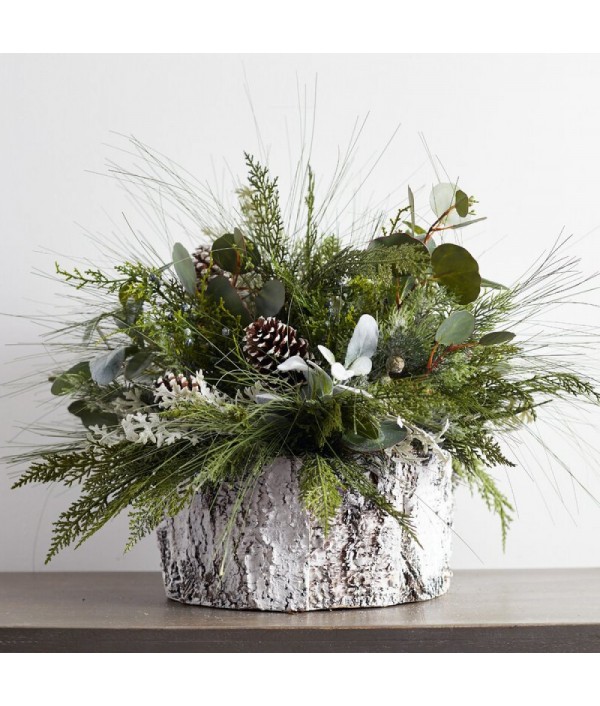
(266,336)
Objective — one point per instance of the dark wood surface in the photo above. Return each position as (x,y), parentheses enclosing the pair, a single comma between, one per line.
(485,611)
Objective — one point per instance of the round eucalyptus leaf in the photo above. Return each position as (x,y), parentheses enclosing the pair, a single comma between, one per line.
(496,338)
(226,252)
(270,298)
(220,289)
(456,329)
(91,417)
(390,434)
(137,364)
(396,239)
(442,200)
(252,259)
(462,204)
(456,269)
(71,379)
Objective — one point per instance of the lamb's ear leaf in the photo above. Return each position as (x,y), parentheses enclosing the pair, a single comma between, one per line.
(220,289)
(296,363)
(184,267)
(362,365)
(319,382)
(327,354)
(364,339)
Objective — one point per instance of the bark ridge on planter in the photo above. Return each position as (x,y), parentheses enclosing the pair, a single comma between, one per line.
(279,559)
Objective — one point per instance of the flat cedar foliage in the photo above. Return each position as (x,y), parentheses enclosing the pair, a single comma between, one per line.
(404,349)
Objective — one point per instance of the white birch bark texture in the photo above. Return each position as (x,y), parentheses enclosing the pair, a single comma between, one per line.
(278,558)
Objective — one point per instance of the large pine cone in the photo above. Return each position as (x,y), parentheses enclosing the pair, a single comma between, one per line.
(205,267)
(269,342)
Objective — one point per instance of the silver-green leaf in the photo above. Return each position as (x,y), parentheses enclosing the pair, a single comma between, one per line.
(496,338)
(184,267)
(456,329)
(105,367)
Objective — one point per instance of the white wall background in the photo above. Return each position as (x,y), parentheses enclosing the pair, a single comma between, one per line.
(521,132)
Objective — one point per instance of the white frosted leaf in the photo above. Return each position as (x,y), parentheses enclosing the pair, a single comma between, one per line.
(340,373)
(293,363)
(327,354)
(364,339)
(362,365)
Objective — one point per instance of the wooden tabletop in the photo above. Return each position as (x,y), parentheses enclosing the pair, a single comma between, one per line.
(485,611)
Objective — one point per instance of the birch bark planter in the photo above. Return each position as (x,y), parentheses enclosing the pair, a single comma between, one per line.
(279,559)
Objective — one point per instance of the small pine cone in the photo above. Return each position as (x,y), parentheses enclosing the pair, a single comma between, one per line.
(205,267)
(269,342)
(175,383)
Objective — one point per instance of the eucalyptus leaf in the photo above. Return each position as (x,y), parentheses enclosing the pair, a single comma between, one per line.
(417,230)
(226,252)
(184,267)
(220,289)
(442,198)
(457,270)
(411,203)
(395,239)
(390,434)
(105,367)
(456,329)
(130,313)
(270,298)
(238,239)
(91,417)
(464,224)
(462,204)
(496,338)
(361,424)
(492,285)
(71,379)
(92,324)
(405,284)
(253,259)
(137,364)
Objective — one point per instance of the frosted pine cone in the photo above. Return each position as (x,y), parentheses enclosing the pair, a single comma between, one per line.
(171,390)
(203,262)
(269,342)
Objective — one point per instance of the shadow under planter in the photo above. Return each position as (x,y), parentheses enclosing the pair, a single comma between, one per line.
(278,558)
